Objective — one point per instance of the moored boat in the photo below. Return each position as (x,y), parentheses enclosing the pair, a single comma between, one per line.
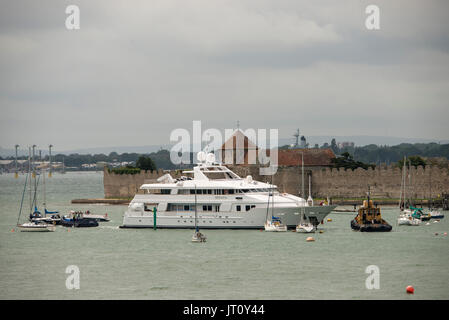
(75,219)
(369,219)
(275,225)
(36,227)
(227,201)
(434,214)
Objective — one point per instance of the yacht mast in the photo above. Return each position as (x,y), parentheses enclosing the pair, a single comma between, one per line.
(29,173)
(401,204)
(45,201)
(195,209)
(409,182)
(302,187)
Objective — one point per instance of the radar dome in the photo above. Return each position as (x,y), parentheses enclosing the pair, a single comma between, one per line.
(201,156)
(210,158)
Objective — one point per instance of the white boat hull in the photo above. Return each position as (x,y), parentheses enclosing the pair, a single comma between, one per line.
(28,227)
(436,215)
(274,227)
(253,219)
(305,228)
(408,221)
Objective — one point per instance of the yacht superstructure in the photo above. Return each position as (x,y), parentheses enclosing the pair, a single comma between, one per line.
(224,200)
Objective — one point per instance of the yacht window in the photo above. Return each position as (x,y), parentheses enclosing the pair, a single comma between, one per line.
(231,191)
(238,208)
(159,191)
(247,208)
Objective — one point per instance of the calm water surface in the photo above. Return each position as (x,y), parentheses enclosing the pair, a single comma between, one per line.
(234,264)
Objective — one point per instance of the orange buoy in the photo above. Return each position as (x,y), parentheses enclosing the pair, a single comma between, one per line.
(445,233)
(410,290)
(309,239)
(12,230)
(329,220)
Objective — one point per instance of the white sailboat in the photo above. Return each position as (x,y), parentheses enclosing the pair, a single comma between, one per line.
(303,225)
(197,235)
(406,217)
(32,226)
(274,224)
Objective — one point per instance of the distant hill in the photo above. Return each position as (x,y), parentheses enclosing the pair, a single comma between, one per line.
(312,140)
(361,140)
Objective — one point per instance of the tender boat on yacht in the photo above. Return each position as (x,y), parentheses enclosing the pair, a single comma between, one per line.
(224,200)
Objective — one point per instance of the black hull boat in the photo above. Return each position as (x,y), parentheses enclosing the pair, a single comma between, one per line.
(371,227)
(79,223)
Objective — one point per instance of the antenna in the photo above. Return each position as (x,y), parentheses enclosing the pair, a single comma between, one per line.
(49,155)
(296,135)
(16,175)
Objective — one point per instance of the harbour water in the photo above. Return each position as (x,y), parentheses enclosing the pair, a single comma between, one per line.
(233,264)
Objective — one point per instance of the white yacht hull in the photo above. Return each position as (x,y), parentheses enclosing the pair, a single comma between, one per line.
(253,219)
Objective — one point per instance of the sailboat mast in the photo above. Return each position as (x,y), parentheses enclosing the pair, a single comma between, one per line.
(409,182)
(402,187)
(302,186)
(29,173)
(272,199)
(268,202)
(195,207)
(430,189)
(34,171)
(45,199)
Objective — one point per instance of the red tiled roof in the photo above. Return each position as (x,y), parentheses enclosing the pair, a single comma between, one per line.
(312,157)
(286,157)
(231,143)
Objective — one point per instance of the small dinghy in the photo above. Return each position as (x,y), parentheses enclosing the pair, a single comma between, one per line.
(369,219)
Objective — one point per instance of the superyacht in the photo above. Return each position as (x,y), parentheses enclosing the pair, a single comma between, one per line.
(224,201)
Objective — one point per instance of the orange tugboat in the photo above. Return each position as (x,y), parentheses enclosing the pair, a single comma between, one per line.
(369,219)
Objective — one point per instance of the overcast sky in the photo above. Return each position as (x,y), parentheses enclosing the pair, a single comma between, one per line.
(136,70)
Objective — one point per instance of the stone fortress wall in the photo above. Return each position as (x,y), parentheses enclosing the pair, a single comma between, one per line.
(384,181)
